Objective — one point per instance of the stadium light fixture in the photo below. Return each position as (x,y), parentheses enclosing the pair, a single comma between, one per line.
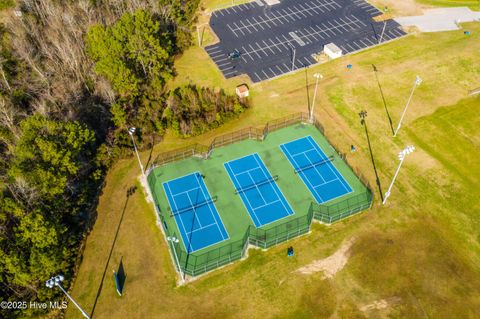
(174,240)
(401,156)
(418,81)
(132,131)
(56,282)
(318,76)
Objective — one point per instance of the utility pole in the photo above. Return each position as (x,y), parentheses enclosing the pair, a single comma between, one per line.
(200,34)
(293,59)
(383,31)
(418,81)
(55,281)
(401,156)
(318,76)
(131,131)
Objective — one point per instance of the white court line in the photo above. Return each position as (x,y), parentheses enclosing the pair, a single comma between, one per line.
(231,172)
(210,207)
(258,190)
(310,138)
(181,221)
(266,174)
(305,180)
(194,210)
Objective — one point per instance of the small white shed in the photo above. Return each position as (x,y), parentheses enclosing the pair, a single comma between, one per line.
(242,91)
(332,51)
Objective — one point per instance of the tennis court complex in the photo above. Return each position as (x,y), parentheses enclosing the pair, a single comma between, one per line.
(253,187)
(316,169)
(257,188)
(195,213)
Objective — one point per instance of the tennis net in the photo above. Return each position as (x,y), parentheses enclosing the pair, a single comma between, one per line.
(323,161)
(267,181)
(195,206)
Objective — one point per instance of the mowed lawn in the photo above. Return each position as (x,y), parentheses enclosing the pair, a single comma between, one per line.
(473,4)
(416,257)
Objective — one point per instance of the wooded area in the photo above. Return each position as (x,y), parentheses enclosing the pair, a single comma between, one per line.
(74,75)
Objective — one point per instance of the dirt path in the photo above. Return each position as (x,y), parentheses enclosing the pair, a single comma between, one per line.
(330,265)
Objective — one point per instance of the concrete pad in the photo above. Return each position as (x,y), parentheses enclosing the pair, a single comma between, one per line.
(271,2)
(443,19)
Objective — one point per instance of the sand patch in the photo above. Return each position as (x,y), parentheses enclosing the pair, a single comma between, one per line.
(380,304)
(330,265)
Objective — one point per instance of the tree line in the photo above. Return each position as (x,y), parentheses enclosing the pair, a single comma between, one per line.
(74,75)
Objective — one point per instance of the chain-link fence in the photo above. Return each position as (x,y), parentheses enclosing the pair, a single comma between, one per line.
(334,212)
(197,264)
(237,136)
(252,133)
(197,150)
(265,238)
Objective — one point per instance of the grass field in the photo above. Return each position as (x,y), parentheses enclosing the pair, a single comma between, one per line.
(473,4)
(420,253)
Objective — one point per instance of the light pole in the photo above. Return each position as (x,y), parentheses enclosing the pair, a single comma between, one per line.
(200,36)
(418,81)
(55,281)
(401,156)
(294,53)
(131,131)
(383,31)
(174,241)
(318,76)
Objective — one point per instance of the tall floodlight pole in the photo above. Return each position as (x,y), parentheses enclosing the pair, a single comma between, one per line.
(198,36)
(293,58)
(418,81)
(401,156)
(131,131)
(174,241)
(318,76)
(383,31)
(55,281)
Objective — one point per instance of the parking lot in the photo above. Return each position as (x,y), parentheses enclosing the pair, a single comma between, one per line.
(273,40)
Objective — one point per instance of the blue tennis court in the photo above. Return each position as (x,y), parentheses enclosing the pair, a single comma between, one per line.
(258,190)
(315,169)
(195,212)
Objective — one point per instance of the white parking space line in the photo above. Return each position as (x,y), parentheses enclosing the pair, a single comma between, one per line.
(278,31)
(329,29)
(289,14)
(268,47)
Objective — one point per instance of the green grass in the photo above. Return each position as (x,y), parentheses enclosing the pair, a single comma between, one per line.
(6,4)
(420,252)
(473,4)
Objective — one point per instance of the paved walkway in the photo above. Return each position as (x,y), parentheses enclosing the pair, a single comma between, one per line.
(444,19)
